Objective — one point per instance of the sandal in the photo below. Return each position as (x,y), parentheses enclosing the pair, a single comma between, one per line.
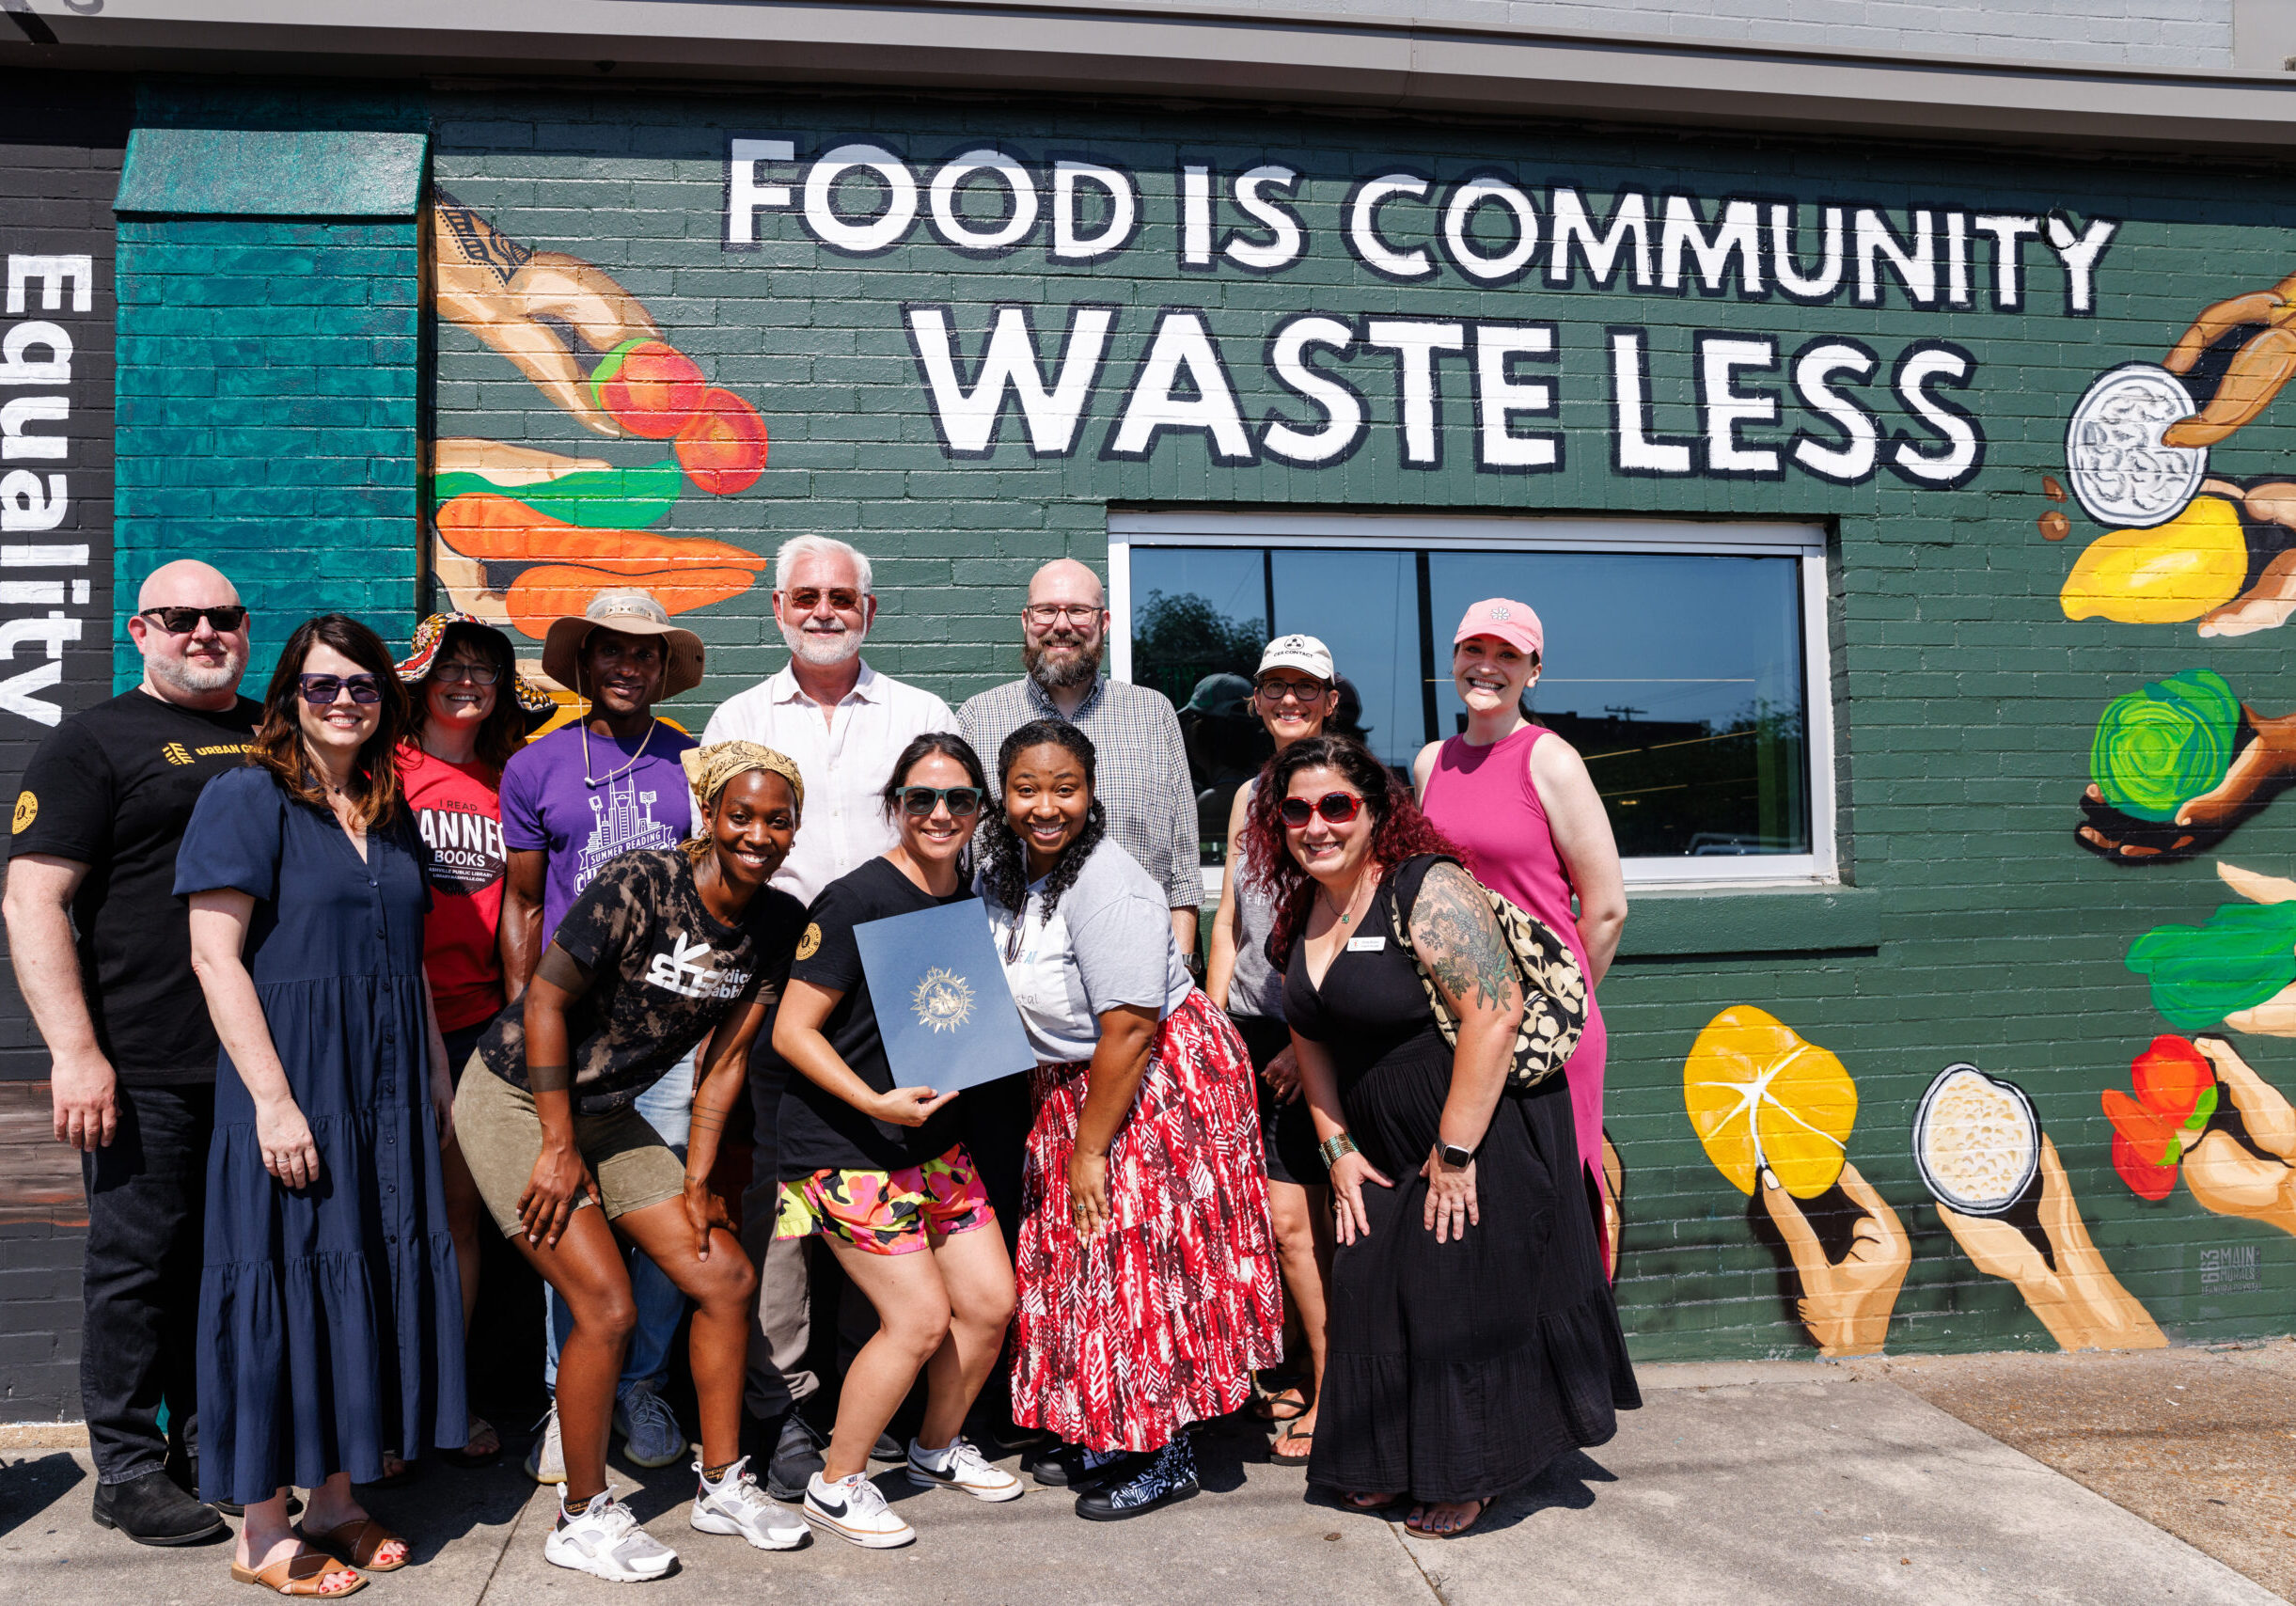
(1370,1502)
(301,1574)
(1286,1405)
(357,1542)
(1415,1523)
(472,1459)
(1281,1453)
(397,1470)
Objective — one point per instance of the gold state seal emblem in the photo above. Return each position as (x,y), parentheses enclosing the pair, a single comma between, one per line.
(943,999)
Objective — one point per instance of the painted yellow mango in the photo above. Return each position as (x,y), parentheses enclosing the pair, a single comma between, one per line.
(1758,1095)
(2173,571)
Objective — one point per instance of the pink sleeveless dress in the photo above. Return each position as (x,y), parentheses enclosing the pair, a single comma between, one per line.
(1481,798)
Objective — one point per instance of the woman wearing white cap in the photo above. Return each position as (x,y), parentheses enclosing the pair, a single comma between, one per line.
(1295,691)
(1518,798)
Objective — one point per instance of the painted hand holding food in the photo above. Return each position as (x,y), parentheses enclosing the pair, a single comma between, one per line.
(2177,766)
(2238,969)
(2174,1124)
(526,535)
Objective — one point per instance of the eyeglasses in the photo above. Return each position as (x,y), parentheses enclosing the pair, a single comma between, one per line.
(918,802)
(807,598)
(183,620)
(322,691)
(1305,691)
(461,670)
(1054,613)
(1337,807)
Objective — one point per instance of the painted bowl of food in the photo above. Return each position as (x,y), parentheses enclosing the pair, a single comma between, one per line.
(1976,1141)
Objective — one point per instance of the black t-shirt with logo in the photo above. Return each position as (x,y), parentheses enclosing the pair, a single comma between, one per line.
(820,1131)
(112,788)
(664,971)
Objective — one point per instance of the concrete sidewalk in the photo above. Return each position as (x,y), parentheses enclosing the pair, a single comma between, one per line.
(1785,1483)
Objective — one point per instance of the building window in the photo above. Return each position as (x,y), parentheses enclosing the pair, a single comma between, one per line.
(1686,661)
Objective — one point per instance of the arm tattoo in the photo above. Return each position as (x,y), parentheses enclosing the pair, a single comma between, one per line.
(549,1079)
(1459,942)
(559,969)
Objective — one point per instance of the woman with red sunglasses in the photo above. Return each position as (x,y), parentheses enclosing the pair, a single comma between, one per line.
(1472,1336)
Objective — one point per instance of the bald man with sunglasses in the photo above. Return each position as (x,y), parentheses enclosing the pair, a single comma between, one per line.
(101,948)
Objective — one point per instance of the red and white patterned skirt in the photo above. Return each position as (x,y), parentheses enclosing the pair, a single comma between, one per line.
(1161,1319)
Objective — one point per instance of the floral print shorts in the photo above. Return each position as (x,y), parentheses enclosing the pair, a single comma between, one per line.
(887,1212)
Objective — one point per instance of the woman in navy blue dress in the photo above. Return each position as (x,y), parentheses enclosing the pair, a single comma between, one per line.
(330,1310)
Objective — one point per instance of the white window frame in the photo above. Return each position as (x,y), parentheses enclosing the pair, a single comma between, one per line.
(1447,533)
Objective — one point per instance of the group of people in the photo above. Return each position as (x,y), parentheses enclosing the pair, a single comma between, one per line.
(337,983)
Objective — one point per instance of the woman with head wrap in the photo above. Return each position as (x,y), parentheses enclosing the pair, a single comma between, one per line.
(663,950)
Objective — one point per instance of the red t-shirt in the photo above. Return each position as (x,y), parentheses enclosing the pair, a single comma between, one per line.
(458,813)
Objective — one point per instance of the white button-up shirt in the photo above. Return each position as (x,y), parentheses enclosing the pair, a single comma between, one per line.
(845,759)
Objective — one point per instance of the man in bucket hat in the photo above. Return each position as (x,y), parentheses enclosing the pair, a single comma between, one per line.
(607,784)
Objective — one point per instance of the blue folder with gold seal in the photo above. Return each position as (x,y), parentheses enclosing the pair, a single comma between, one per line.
(943,1009)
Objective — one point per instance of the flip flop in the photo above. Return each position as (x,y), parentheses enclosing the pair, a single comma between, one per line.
(1415,1526)
(1287,1404)
(1369,1504)
(1287,1458)
(300,1575)
(466,1458)
(357,1542)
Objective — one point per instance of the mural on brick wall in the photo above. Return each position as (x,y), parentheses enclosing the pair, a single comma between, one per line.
(524,534)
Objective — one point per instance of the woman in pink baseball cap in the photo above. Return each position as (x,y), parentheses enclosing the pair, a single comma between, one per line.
(1518,798)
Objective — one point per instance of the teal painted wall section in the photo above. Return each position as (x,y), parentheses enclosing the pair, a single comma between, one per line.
(269,378)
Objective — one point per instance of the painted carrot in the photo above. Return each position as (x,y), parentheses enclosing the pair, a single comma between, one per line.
(552,590)
(499,530)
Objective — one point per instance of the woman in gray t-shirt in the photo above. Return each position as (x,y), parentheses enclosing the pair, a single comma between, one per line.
(1143,1093)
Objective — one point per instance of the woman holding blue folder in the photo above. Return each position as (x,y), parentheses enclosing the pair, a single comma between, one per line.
(878,1170)
(1147,1266)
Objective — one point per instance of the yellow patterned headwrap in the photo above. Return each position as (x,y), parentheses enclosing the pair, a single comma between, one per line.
(708,769)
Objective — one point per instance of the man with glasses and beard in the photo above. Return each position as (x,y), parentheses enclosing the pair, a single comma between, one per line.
(844,724)
(103,954)
(1143,782)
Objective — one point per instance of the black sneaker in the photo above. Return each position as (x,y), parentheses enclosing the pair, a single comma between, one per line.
(152,1510)
(1056,1465)
(795,1460)
(888,1448)
(1167,1478)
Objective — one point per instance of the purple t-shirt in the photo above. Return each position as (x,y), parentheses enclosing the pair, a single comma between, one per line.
(548,805)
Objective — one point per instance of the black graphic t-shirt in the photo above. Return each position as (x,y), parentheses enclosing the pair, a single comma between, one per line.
(820,1131)
(112,788)
(664,971)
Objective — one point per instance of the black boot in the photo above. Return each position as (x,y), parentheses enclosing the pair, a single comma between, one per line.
(796,1457)
(152,1510)
(1164,1479)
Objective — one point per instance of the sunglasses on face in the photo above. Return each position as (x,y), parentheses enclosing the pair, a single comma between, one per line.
(918,802)
(807,598)
(183,620)
(1336,808)
(320,691)
(459,671)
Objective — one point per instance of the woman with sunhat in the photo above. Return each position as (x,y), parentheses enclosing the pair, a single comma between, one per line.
(1518,798)
(572,802)
(1294,692)
(472,712)
(663,952)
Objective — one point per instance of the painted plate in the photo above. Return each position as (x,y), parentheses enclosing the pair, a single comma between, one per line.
(2121,472)
(1976,1141)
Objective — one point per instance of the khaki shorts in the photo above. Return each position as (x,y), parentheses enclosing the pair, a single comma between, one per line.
(501,1138)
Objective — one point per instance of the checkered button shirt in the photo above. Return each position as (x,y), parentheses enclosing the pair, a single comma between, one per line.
(1143,781)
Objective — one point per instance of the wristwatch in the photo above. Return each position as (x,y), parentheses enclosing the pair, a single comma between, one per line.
(1458,1158)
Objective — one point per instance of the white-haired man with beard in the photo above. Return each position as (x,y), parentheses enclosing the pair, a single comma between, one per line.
(103,953)
(844,724)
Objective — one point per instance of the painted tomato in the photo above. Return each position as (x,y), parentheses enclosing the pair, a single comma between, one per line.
(649,388)
(2145,1179)
(722,448)
(2171,1077)
(2150,1136)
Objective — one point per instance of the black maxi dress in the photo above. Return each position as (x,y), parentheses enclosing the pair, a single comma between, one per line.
(1456,1371)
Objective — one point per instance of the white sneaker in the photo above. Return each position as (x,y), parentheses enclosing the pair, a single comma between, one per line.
(607,1542)
(961,1466)
(546,1460)
(853,1508)
(736,1505)
(649,1431)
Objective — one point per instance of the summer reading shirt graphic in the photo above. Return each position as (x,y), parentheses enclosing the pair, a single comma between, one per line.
(548,804)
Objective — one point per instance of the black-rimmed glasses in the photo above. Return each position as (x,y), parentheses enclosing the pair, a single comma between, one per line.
(183,620)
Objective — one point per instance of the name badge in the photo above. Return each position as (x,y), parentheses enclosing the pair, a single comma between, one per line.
(1366,944)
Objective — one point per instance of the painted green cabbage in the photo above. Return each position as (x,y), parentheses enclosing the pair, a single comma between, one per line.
(618,499)
(2157,749)
(2200,974)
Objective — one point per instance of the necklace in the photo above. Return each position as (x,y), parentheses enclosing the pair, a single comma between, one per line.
(1345,916)
(590,780)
